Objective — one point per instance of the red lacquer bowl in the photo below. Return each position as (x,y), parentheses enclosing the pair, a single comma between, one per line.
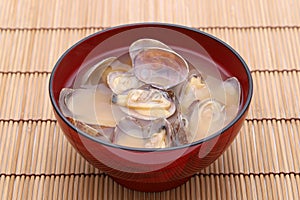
(148,169)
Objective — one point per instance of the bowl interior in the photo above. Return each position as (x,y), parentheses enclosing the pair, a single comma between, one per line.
(115,42)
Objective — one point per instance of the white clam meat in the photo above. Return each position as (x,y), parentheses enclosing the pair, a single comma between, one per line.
(227,92)
(98,72)
(146,103)
(194,89)
(120,82)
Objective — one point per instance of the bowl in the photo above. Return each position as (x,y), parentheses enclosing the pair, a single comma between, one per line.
(142,169)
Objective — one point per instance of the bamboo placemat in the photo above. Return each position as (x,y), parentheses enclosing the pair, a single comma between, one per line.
(36,160)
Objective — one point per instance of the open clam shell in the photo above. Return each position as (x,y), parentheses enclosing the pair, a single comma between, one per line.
(157,64)
(227,92)
(232,89)
(204,118)
(192,90)
(90,106)
(92,76)
(141,44)
(103,133)
(143,134)
(120,82)
(97,74)
(146,103)
(232,99)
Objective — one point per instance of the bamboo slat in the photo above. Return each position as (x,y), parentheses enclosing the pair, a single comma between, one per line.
(39,49)
(244,187)
(68,13)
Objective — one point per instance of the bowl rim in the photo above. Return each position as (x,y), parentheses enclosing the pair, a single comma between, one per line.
(154,24)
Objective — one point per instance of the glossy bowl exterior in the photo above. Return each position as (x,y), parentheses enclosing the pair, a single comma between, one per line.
(142,169)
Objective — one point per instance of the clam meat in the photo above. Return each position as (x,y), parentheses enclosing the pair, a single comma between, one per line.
(97,74)
(194,89)
(120,82)
(143,134)
(146,103)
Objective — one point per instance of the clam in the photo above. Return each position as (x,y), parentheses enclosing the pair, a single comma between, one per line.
(232,89)
(141,44)
(120,82)
(146,103)
(97,74)
(157,64)
(204,118)
(180,134)
(90,106)
(103,133)
(228,93)
(143,134)
(194,89)
(92,76)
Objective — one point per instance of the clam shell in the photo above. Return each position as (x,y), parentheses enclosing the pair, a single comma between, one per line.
(134,132)
(194,89)
(97,74)
(146,103)
(232,90)
(141,44)
(103,133)
(92,76)
(120,82)
(157,64)
(227,92)
(90,106)
(204,118)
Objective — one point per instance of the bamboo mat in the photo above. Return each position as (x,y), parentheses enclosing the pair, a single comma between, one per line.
(36,160)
